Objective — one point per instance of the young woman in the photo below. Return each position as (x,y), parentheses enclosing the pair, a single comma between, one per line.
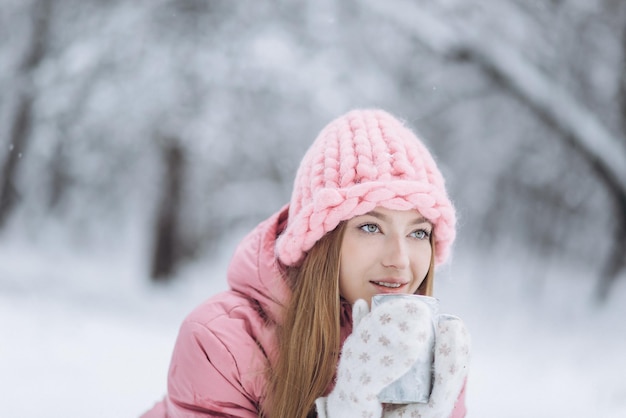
(293,337)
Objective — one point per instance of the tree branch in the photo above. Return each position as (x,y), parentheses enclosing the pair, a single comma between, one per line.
(605,151)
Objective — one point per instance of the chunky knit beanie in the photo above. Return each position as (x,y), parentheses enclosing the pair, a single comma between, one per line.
(361,160)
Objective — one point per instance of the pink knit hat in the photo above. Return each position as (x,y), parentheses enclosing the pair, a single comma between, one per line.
(361,160)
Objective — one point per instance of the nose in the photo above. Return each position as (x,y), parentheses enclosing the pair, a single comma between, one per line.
(396,253)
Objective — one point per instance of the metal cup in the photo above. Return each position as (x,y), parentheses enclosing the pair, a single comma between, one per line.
(415,385)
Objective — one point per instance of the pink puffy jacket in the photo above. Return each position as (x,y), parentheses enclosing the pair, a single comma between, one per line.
(225,345)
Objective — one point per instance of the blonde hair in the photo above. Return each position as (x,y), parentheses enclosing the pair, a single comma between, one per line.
(309,340)
(427,287)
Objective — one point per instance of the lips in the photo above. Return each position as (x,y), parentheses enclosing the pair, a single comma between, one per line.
(389,285)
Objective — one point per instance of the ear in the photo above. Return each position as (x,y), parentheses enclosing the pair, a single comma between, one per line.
(359,310)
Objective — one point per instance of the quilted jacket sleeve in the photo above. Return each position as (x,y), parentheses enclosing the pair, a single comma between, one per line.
(204,379)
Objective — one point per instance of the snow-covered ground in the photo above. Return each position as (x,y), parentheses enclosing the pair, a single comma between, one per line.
(84,335)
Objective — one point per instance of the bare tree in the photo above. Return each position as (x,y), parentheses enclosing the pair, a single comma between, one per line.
(604,151)
(21,124)
(244,95)
(616,261)
(167,240)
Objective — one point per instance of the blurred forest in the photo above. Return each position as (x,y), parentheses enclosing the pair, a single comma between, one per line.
(181,120)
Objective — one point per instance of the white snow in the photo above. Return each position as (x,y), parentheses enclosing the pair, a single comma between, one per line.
(85,335)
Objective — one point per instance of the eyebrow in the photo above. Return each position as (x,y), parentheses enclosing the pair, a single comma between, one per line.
(419,220)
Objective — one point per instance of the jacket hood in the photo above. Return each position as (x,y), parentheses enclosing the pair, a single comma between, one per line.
(254,269)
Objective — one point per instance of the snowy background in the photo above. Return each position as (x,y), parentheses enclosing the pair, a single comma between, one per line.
(83,338)
(140,140)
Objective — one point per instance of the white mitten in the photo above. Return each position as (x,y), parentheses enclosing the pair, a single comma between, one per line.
(452,347)
(383,346)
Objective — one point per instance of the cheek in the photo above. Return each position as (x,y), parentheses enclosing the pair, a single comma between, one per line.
(421,261)
(354,252)
(347,265)
(351,266)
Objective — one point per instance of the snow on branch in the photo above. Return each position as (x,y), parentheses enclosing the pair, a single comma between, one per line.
(547,98)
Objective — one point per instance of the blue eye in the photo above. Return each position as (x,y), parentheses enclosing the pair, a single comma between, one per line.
(420,234)
(369,228)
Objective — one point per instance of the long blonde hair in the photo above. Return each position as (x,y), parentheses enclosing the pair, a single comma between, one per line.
(309,340)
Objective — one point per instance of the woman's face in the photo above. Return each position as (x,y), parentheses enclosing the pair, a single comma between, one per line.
(384,251)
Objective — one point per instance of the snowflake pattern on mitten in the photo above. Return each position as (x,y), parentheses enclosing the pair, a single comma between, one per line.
(383,346)
(452,351)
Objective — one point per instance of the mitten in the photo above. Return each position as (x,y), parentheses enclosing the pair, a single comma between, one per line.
(383,346)
(452,347)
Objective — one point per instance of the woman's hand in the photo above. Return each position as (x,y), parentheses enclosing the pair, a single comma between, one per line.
(383,346)
(452,346)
